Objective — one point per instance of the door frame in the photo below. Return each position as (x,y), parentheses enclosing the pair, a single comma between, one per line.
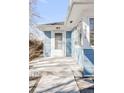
(53,42)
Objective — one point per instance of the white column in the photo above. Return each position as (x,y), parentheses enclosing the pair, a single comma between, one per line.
(86,27)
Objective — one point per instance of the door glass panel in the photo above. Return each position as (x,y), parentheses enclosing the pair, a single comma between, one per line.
(58,40)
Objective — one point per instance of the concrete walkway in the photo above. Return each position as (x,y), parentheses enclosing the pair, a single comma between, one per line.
(57,75)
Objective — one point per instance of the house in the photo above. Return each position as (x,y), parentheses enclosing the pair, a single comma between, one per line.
(74,37)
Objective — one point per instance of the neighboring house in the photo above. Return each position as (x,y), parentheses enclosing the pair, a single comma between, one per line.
(74,37)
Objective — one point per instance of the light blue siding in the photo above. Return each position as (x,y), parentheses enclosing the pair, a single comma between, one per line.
(47,45)
(88,62)
(84,55)
(85,58)
(68,44)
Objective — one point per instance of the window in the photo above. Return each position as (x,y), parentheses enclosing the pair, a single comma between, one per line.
(91,24)
(91,31)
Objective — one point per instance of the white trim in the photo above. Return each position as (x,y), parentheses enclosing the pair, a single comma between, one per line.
(53,41)
(64,36)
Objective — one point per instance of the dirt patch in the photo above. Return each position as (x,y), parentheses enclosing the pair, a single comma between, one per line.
(35,47)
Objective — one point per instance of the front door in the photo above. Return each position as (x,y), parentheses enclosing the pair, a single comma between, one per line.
(59,45)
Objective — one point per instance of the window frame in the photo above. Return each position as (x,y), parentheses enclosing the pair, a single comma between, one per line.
(91,32)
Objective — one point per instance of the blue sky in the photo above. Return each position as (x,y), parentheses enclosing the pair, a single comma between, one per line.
(51,11)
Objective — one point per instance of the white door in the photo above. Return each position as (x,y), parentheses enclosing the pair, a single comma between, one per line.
(59,47)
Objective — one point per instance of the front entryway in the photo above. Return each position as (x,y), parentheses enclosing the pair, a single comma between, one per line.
(58,41)
(58,44)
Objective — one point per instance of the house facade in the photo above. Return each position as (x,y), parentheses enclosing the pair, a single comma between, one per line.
(74,37)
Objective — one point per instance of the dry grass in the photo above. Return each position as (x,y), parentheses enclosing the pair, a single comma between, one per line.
(35,47)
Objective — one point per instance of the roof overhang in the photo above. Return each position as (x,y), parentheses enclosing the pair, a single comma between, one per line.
(51,27)
(79,9)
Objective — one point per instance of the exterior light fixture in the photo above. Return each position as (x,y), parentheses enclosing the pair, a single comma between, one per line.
(71,21)
(57,27)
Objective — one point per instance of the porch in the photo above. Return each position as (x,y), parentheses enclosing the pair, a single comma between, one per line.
(64,75)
